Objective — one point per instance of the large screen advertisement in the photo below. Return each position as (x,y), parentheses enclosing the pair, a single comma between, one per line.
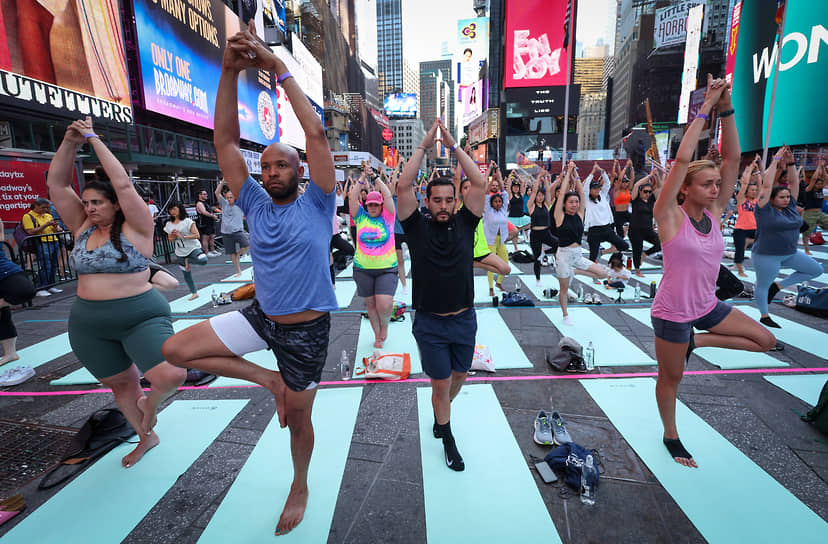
(21,182)
(64,58)
(180,47)
(799,115)
(401,105)
(534,43)
(472,49)
(472,101)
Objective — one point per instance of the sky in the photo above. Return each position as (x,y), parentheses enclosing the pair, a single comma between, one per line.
(423,32)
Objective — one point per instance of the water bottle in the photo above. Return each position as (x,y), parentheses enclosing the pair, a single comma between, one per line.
(629,263)
(344,366)
(589,480)
(589,356)
(580,292)
(637,295)
(652,290)
(215,298)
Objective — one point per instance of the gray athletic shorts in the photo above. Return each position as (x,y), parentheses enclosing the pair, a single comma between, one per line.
(235,242)
(370,282)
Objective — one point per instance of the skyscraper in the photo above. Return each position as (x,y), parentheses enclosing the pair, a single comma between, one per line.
(389,46)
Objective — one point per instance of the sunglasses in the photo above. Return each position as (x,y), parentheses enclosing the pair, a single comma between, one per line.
(646,192)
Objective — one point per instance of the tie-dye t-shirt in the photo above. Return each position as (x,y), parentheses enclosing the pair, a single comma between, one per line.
(375,240)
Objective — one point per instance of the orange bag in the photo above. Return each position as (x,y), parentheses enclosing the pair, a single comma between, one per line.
(386,366)
(244,292)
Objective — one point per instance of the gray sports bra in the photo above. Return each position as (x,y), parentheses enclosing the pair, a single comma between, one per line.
(104,259)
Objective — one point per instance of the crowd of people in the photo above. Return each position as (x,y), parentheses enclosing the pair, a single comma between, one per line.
(120,325)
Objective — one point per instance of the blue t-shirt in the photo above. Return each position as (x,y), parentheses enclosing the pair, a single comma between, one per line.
(7,266)
(777,231)
(290,246)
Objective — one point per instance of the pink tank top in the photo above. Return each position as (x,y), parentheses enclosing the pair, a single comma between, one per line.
(691,267)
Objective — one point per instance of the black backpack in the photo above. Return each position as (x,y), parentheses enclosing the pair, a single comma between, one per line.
(819,414)
(104,430)
(521,256)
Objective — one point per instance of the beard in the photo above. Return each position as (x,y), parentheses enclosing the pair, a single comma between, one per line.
(290,188)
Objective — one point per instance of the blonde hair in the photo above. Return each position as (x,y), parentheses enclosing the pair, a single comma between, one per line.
(692,170)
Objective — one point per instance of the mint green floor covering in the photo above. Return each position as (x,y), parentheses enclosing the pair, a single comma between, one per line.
(611,348)
(495,499)
(723,358)
(801,336)
(252,506)
(805,387)
(345,291)
(107,501)
(247,276)
(400,340)
(183,305)
(42,352)
(728,498)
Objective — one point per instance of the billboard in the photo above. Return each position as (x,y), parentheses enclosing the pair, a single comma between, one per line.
(534,42)
(289,129)
(401,105)
(670,26)
(22,181)
(691,60)
(180,47)
(68,68)
(472,49)
(311,76)
(472,101)
(799,117)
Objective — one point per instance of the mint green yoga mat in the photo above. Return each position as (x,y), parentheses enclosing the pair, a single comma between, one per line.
(252,506)
(347,272)
(805,387)
(246,276)
(728,498)
(42,352)
(493,332)
(611,348)
(345,291)
(400,340)
(184,305)
(495,499)
(723,358)
(107,501)
(800,336)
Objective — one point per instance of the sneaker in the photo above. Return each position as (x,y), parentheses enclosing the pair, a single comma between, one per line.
(545,261)
(559,430)
(16,375)
(543,430)
(55,290)
(453,458)
(768,322)
(567,321)
(588,298)
(43,293)
(576,365)
(213,254)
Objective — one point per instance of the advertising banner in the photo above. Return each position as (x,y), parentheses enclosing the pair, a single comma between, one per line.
(76,67)
(472,101)
(542,101)
(534,43)
(472,49)
(22,181)
(180,46)
(311,76)
(691,60)
(670,26)
(289,129)
(799,115)
(401,105)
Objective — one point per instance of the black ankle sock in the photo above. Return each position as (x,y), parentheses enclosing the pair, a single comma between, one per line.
(676,448)
(437,429)
(453,458)
(768,322)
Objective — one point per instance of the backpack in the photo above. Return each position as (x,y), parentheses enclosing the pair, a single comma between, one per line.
(398,311)
(570,459)
(516,299)
(104,430)
(816,238)
(728,285)
(568,357)
(521,256)
(819,413)
(20,235)
(812,300)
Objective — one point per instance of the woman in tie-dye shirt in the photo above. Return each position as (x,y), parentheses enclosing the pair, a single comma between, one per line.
(375,261)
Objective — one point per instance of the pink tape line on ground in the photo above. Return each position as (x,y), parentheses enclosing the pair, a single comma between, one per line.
(471,379)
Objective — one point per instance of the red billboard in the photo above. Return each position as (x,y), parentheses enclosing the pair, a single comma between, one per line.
(534,43)
(21,182)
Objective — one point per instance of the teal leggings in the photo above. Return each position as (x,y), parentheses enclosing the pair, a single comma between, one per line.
(196,257)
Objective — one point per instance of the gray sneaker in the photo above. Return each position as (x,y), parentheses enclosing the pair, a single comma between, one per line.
(559,429)
(543,430)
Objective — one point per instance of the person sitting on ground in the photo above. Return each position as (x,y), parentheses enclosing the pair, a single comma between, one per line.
(118,322)
(616,273)
(183,233)
(235,240)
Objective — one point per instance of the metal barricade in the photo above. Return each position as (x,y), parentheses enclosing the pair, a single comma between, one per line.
(45,257)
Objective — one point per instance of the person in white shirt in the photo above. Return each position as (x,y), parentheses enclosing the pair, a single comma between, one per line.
(599,220)
(183,233)
(496,229)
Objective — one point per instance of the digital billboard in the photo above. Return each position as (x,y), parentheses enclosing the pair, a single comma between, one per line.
(290,130)
(54,61)
(534,43)
(21,182)
(180,46)
(472,49)
(799,116)
(670,27)
(691,60)
(472,101)
(401,105)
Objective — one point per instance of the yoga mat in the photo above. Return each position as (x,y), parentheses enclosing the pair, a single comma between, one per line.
(799,336)
(497,484)
(604,260)
(345,291)
(40,353)
(548,281)
(402,296)
(823,278)
(183,305)
(805,387)
(106,501)
(728,497)
(611,348)
(252,506)
(82,376)
(400,340)
(247,276)
(481,288)
(645,282)
(493,331)
(721,357)
(347,272)
(246,258)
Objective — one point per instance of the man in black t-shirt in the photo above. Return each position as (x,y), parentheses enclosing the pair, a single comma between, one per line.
(445,324)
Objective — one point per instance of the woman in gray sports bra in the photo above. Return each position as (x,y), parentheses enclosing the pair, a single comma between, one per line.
(118,322)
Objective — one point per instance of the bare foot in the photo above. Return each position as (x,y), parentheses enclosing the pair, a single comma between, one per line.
(147,443)
(378,344)
(149,416)
(193,296)
(500,286)
(742,274)
(640,274)
(278,387)
(294,510)
(8,358)
(491,292)
(238,274)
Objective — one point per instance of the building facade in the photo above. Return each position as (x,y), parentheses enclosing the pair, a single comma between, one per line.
(408,133)
(389,46)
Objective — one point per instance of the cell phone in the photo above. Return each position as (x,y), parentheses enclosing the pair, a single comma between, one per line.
(546,472)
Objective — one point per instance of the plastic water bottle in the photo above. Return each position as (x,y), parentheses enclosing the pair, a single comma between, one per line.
(637,295)
(652,290)
(589,356)
(344,366)
(580,292)
(215,298)
(589,480)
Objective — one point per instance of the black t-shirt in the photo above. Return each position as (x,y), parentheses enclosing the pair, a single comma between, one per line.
(540,216)
(516,206)
(812,199)
(642,213)
(571,230)
(442,259)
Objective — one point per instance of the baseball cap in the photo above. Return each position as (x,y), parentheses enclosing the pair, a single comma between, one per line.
(374,197)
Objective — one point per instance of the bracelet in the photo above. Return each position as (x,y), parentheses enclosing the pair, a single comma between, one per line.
(726,113)
(91,135)
(453,147)
(283,77)
(702,116)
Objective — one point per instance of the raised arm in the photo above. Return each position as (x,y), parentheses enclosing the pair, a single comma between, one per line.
(558,213)
(767,180)
(406,199)
(731,152)
(793,181)
(387,201)
(819,173)
(217,192)
(530,204)
(477,180)
(353,195)
(744,181)
(59,180)
(637,187)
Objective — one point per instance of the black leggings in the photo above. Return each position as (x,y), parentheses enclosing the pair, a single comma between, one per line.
(342,246)
(620,219)
(740,237)
(14,289)
(604,233)
(637,238)
(536,240)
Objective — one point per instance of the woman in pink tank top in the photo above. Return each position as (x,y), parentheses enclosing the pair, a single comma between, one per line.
(687,211)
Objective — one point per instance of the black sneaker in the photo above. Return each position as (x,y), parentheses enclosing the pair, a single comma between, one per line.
(436,430)
(576,365)
(453,459)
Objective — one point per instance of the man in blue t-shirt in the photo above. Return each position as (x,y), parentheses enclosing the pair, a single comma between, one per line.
(289,243)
